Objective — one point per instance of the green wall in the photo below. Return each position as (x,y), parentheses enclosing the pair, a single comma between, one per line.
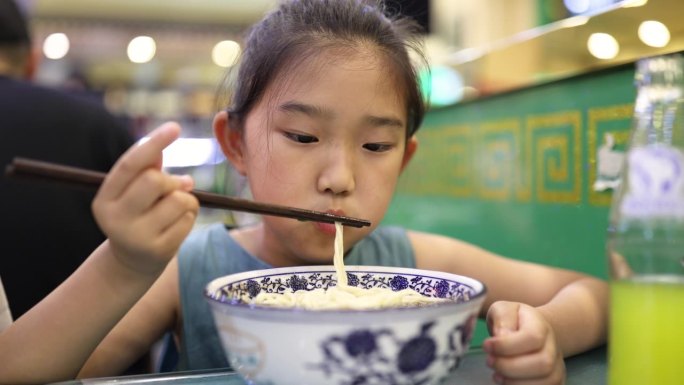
(514,173)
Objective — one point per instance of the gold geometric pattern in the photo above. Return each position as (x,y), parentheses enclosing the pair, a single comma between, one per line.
(554,144)
(493,162)
(447,154)
(500,167)
(460,147)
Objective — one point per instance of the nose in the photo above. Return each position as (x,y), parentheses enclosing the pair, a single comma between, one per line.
(337,172)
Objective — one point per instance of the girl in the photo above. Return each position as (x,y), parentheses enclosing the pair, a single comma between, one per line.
(322,117)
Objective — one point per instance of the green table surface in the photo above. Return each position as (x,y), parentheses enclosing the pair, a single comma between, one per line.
(588,368)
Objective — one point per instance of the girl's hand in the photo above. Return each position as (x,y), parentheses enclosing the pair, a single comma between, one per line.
(145,213)
(523,349)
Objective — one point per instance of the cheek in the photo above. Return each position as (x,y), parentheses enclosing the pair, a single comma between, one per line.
(266,152)
(258,154)
(275,175)
(377,185)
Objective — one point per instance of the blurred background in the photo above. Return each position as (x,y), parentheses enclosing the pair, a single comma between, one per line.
(154,60)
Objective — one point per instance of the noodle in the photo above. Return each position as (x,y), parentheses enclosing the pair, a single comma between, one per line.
(344,296)
(338,256)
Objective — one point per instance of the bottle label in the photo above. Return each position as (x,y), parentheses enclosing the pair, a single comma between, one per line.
(655,183)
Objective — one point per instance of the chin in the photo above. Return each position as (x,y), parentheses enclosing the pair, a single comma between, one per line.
(317,257)
(310,246)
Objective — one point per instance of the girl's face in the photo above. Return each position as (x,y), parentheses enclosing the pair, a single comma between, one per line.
(331,138)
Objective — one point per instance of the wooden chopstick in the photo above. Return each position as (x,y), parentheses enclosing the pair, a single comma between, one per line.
(74,176)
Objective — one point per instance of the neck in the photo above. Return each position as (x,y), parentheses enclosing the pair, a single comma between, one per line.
(253,240)
(249,238)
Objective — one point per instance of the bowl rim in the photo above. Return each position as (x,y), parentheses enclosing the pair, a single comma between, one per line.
(217,283)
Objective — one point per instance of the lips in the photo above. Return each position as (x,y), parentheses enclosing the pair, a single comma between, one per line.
(329,228)
(337,212)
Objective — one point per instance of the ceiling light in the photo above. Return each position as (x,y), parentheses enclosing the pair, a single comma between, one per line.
(225,53)
(654,33)
(141,49)
(603,46)
(56,46)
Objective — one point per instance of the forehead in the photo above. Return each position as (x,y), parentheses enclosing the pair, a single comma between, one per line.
(336,74)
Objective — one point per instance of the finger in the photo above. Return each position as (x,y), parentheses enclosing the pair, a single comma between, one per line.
(158,234)
(531,336)
(513,344)
(175,234)
(502,320)
(170,208)
(162,214)
(179,227)
(136,159)
(148,188)
(502,317)
(529,366)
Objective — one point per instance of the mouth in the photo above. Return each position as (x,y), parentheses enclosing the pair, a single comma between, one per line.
(329,228)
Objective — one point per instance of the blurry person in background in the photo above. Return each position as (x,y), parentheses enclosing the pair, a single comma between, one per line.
(46,232)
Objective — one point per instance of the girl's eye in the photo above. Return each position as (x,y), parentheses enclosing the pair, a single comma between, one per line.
(377,147)
(299,138)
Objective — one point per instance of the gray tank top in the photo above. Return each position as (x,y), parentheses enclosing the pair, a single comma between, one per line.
(211,252)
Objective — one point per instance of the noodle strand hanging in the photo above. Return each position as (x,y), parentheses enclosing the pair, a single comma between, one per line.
(344,296)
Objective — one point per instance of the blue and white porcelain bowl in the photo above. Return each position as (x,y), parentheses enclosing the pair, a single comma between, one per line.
(411,345)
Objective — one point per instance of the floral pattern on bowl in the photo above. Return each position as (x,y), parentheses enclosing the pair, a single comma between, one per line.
(244,291)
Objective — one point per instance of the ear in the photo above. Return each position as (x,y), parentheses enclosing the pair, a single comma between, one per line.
(230,140)
(411,147)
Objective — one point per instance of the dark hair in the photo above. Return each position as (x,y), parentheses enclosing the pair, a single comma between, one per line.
(301,28)
(15,39)
(13,26)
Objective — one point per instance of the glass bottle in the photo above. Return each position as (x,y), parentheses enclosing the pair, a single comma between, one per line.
(646,234)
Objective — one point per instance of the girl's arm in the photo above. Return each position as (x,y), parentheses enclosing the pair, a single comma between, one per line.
(53,340)
(156,313)
(536,314)
(146,214)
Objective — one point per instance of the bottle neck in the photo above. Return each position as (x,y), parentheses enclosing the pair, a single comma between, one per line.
(659,107)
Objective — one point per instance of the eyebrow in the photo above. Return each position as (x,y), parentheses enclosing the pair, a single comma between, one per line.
(306,109)
(380,121)
(318,112)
